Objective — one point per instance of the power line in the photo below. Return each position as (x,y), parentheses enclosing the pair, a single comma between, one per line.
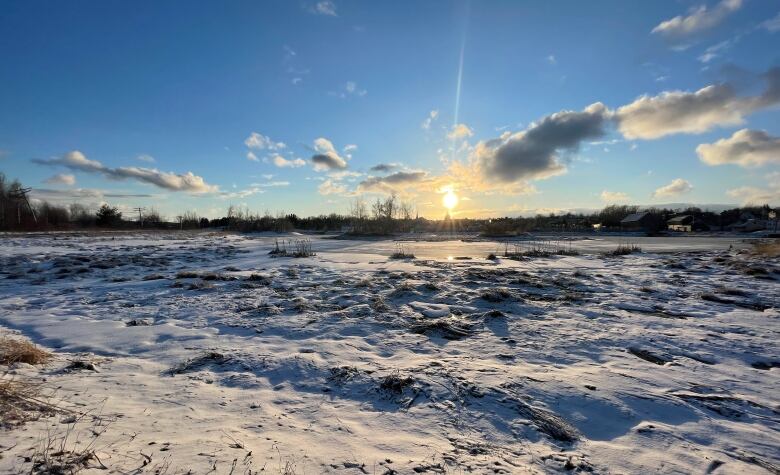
(21,193)
(140,215)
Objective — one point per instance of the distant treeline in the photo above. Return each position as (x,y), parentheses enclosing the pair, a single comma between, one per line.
(609,219)
(382,217)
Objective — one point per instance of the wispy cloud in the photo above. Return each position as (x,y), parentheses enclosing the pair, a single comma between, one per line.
(331,187)
(350,89)
(614,197)
(699,20)
(460,131)
(392,183)
(61,179)
(82,195)
(261,142)
(385,167)
(187,182)
(432,116)
(253,189)
(716,50)
(772,25)
(756,196)
(323,7)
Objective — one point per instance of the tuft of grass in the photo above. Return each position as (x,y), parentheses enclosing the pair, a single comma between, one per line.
(260,279)
(64,453)
(198,362)
(624,250)
(200,285)
(21,402)
(395,383)
(400,253)
(499,294)
(13,350)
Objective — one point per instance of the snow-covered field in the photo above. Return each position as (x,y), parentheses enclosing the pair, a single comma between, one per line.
(212,356)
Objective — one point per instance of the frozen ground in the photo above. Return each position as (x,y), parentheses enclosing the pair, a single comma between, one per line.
(212,356)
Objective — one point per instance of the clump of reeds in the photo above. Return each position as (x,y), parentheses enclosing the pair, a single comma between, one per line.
(298,248)
(401,252)
(624,250)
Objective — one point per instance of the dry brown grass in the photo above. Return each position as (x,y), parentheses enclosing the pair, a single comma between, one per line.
(14,350)
(21,402)
(769,249)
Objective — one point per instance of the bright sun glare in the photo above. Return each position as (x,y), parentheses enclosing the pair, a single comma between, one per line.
(450,199)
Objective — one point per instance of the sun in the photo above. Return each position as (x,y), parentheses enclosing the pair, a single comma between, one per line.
(450,199)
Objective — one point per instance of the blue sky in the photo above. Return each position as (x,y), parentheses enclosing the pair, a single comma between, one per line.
(155,103)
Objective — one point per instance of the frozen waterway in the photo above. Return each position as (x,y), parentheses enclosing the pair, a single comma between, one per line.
(348,362)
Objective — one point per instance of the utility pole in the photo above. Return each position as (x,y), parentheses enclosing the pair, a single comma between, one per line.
(140,215)
(21,194)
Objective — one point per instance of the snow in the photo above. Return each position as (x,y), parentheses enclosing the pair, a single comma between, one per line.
(349,362)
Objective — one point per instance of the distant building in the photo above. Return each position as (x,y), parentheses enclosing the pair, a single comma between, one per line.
(682,223)
(639,222)
(750,225)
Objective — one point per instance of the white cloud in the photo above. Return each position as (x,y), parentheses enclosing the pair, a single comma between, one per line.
(460,131)
(324,7)
(188,182)
(432,116)
(746,148)
(773,24)
(252,157)
(679,112)
(756,196)
(614,197)
(146,158)
(254,189)
(326,157)
(88,196)
(551,59)
(350,89)
(697,21)
(674,112)
(349,148)
(282,162)
(61,179)
(677,187)
(331,187)
(715,50)
(262,142)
